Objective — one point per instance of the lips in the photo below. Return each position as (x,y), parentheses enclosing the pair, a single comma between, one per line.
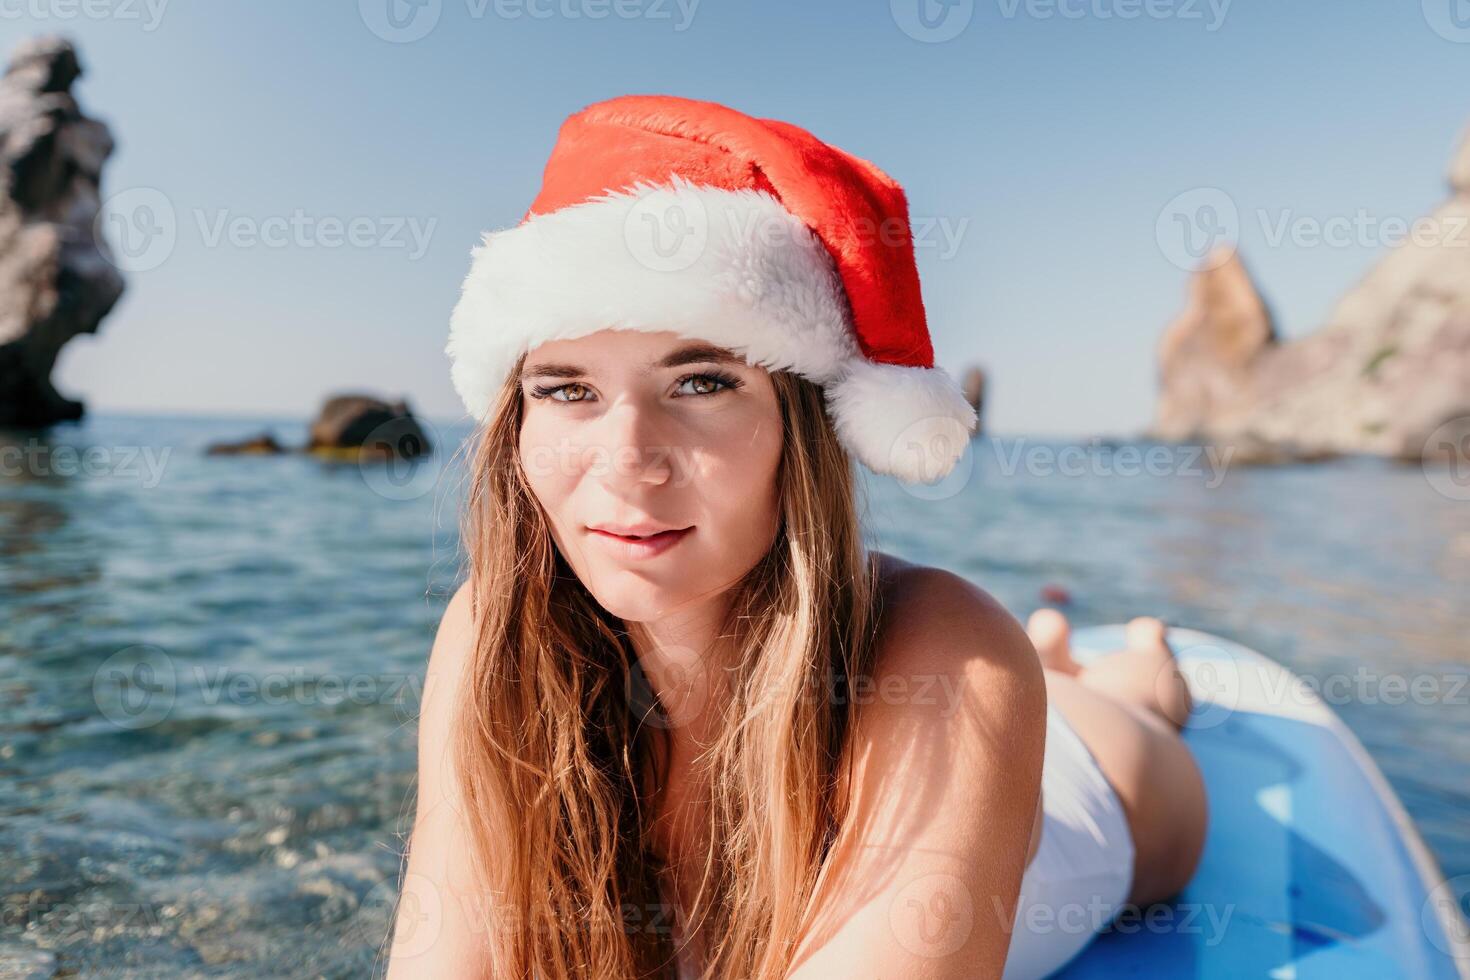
(643,542)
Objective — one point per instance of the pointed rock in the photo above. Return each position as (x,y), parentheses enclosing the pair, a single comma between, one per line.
(57,278)
(1207,355)
(1460,168)
(1389,370)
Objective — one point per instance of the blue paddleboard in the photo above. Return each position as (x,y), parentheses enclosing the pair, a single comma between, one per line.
(1311,867)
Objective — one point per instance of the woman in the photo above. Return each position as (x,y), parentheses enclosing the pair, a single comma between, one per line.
(678,722)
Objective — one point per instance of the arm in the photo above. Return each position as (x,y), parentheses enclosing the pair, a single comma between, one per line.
(437,933)
(923,879)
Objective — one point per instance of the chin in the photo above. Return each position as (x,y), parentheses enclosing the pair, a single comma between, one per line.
(632,597)
(646,591)
(642,592)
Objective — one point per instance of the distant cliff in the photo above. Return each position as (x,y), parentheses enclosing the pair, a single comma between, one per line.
(56,278)
(1390,367)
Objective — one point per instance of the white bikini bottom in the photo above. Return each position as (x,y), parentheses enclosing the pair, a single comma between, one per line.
(1083,867)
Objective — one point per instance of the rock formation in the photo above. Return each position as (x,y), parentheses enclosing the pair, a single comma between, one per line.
(1209,355)
(263,444)
(348,427)
(974,388)
(56,276)
(364,424)
(1390,367)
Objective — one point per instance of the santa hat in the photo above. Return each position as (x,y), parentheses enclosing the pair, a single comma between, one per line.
(660,213)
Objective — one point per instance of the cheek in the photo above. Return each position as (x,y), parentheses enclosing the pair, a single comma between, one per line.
(549,473)
(740,487)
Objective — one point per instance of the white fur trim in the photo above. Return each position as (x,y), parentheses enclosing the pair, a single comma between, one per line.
(734,268)
(910,422)
(731,267)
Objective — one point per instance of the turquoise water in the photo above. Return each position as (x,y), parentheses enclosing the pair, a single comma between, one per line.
(209,666)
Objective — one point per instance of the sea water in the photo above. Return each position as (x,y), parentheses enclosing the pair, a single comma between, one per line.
(210,666)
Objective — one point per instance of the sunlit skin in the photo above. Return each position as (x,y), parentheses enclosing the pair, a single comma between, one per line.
(622,428)
(616,433)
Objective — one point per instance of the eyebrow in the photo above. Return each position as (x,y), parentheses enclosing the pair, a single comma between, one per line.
(692,354)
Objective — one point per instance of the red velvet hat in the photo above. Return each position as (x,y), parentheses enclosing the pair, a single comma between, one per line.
(660,213)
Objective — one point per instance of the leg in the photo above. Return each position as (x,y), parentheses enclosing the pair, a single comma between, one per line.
(1052,637)
(1144,673)
(1130,729)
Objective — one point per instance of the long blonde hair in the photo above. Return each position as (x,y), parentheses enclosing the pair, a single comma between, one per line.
(552,748)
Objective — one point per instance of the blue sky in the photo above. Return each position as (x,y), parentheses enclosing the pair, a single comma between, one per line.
(1042,142)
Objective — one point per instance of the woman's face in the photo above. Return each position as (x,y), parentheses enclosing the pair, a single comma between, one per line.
(626,430)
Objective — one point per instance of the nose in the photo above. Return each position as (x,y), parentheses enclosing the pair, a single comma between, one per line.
(631,445)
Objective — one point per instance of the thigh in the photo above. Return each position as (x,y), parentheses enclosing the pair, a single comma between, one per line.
(1155,777)
(1146,678)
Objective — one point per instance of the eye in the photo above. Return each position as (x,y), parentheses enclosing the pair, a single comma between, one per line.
(547,391)
(705,383)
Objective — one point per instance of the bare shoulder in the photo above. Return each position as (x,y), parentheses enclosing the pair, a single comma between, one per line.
(942,633)
(443,678)
(946,750)
(455,636)
(936,618)
(459,613)
(438,880)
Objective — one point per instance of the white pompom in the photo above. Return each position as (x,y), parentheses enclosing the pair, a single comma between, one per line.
(912,423)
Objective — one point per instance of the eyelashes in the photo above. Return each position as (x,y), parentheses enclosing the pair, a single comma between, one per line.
(727,382)
(546,391)
(721,378)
